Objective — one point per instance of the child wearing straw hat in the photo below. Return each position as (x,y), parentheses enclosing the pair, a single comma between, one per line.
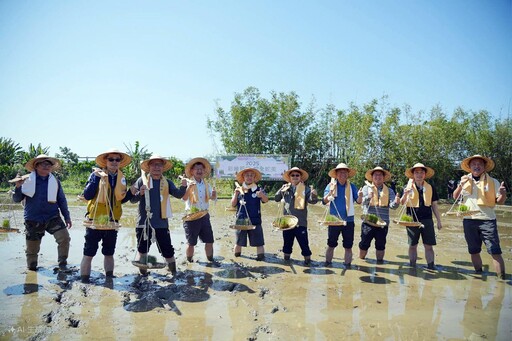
(481,192)
(341,194)
(421,198)
(199,193)
(296,197)
(251,195)
(105,191)
(44,203)
(153,183)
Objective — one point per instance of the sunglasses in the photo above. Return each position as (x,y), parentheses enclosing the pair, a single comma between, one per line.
(45,164)
(295,175)
(114,160)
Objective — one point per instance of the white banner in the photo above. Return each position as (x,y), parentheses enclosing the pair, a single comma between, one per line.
(271,167)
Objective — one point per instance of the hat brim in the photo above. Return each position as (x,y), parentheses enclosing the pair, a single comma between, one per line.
(351,172)
(145,164)
(203,161)
(101,160)
(369,174)
(240,174)
(429,172)
(489,164)
(303,174)
(31,165)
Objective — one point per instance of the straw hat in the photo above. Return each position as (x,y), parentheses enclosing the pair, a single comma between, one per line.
(240,174)
(201,160)
(489,164)
(429,172)
(145,164)
(369,173)
(31,165)
(303,173)
(101,160)
(351,171)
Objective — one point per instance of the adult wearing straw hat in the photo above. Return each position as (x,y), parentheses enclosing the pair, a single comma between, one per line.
(251,195)
(44,203)
(105,190)
(481,192)
(377,199)
(199,193)
(341,194)
(153,183)
(296,196)
(421,199)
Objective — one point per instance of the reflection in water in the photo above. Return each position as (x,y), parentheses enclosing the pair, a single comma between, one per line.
(484,303)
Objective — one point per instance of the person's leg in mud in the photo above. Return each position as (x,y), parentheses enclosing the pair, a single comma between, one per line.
(241,241)
(206,236)
(34,233)
(92,238)
(348,241)
(301,233)
(499,266)
(333,234)
(57,228)
(413,236)
(164,244)
(256,239)
(380,243)
(367,235)
(192,230)
(108,250)
(428,235)
(143,247)
(288,239)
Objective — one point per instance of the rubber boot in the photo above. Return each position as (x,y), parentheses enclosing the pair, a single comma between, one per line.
(32,251)
(62,238)
(172,267)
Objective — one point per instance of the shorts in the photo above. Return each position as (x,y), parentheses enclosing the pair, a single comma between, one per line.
(35,231)
(427,233)
(368,233)
(347,233)
(163,241)
(255,237)
(301,233)
(92,239)
(478,231)
(201,228)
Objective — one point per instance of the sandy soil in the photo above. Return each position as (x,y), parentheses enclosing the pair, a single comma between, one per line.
(243,299)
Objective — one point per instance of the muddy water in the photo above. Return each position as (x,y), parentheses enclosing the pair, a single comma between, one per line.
(240,298)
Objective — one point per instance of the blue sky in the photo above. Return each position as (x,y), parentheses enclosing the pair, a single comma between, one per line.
(91,75)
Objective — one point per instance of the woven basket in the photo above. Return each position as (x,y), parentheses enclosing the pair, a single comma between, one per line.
(408,223)
(8,229)
(230,208)
(462,213)
(110,226)
(195,215)
(293,221)
(332,223)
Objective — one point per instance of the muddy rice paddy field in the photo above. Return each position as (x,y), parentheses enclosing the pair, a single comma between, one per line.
(244,299)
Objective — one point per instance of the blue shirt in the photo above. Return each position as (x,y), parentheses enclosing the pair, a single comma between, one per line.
(253,206)
(38,208)
(154,200)
(340,202)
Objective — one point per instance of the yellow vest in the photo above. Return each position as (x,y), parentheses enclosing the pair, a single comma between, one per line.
(97,207)
(486,192)
(415,198)
(383,199)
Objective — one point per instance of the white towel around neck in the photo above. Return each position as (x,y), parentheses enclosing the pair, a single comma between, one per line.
(29,187)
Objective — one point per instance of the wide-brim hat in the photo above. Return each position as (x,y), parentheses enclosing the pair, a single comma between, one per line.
(101,160)
(145,164)
(351,171)
(31,165)
(304,175)
(240,174)
(201,160)
(489,164)
(369,174)
(429,172)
